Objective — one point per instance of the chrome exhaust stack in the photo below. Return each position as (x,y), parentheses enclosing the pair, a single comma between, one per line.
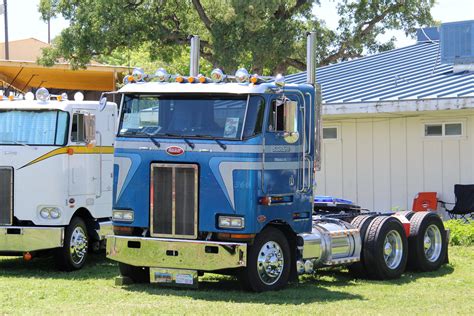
(311,58)
(311,79)
(195,54)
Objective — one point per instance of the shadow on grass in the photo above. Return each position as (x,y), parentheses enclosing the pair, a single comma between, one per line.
(227,289)
(310,288)
(97,267)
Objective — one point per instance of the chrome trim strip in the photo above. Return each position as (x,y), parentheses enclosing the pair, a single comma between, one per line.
(176,253)
(199,147)
(30,238)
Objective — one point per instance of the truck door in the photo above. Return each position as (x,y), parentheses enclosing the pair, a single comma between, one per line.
(283,153)
(84,163)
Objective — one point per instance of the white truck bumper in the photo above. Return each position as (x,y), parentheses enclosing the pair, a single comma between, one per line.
(23,239)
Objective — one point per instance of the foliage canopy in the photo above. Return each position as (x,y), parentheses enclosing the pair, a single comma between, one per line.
(266,36)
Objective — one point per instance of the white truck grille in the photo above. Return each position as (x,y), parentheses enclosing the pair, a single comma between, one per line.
(6,196)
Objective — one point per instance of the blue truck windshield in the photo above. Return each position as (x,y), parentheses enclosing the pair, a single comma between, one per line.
(221,117)
(32,127)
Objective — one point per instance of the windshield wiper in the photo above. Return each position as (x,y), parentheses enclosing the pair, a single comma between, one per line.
(222,145)
(190,144)
(152,138)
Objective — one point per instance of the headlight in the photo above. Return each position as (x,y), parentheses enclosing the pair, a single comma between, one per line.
(50,213)
(231,222)
(122,215)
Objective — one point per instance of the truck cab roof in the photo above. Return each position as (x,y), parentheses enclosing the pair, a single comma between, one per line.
(50,105)
(205,88)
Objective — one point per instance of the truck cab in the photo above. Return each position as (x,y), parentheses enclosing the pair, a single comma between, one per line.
(56,169)
(215,174)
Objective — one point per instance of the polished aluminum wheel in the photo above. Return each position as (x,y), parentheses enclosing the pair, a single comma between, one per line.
(432,243)
(270,263)
(78,245)
(393,249)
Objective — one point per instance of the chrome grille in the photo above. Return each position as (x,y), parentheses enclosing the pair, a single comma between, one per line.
(174,200)
(6,196)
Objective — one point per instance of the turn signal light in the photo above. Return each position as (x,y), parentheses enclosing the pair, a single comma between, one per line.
(266,200)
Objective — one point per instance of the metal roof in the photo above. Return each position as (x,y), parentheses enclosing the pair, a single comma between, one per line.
(409,73)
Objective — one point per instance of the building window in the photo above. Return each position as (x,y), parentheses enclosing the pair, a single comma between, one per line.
(443,129)
(330,133)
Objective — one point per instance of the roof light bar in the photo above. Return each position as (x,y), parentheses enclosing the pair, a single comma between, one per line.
(242,75)
(162,75)
(217,75)
(42,94)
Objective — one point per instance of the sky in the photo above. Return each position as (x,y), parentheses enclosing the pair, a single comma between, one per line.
(24,19)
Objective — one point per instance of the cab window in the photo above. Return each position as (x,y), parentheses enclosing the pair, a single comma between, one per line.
(77,131)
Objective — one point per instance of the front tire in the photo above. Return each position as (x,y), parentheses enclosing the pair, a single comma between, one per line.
(427,242)
(72,256)
(385,248)
(268,262)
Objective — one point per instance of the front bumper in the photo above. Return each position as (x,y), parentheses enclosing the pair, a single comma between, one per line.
(176,253)
(23,239)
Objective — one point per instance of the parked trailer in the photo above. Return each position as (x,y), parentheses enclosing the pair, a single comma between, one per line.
(56,172)
(216,175)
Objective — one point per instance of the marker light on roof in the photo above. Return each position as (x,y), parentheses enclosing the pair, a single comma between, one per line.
(29,96)
(179,79)
(64,96)
(191,79)
(242,75)
(217,75)
(127,79)
(162,75)
(280,80)
(202,79)
(42,94)
(254,79)
(11,97)
(78,97)
(138,74)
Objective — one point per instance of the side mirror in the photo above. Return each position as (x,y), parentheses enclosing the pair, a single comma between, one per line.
(102,102)
(89,128)
(290,121)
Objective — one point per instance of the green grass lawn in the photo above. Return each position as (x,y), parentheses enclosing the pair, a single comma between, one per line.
(36,287)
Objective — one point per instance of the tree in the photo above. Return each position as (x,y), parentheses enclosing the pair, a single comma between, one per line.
(266,36)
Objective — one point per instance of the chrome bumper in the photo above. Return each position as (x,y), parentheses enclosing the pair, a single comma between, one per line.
(176,253)
(22,239)
(105,229)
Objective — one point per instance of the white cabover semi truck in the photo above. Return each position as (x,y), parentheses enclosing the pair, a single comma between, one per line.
(56,176)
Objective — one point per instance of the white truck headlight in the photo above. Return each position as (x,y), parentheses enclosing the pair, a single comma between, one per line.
(232,222)
(50,212)
(122,215)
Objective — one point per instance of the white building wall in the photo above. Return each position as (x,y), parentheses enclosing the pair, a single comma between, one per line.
(381,163)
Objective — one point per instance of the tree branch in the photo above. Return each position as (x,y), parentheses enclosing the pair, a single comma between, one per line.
(282,14)
(360,32)
(202,14)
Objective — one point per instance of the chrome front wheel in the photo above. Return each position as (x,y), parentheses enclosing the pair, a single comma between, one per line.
(78,245)
(270,263)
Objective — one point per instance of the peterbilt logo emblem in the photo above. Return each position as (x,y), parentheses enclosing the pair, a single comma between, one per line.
(174,150)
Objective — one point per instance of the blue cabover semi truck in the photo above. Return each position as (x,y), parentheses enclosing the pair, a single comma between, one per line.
(215,174)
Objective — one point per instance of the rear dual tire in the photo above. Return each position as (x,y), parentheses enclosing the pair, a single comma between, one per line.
(384,251)
(427,243)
